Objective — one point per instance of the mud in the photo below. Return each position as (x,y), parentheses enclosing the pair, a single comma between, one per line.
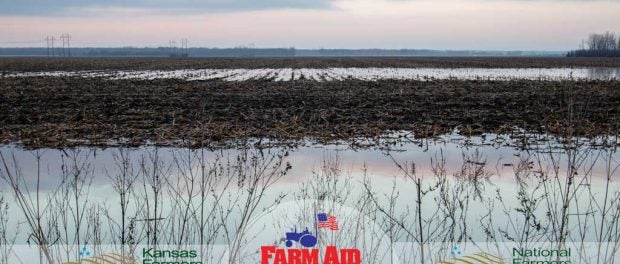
(68,111)
(9,64)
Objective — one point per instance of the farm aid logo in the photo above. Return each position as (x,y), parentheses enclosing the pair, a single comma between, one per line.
(306,251)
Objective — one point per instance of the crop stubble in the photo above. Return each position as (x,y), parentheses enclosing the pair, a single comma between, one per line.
(65,111)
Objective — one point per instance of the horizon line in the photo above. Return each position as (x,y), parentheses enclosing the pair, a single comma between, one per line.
(288,48)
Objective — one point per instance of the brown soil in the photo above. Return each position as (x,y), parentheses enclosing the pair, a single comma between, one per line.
(55,111)
(75,64)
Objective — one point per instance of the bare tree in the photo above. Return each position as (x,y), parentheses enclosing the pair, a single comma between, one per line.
(77,177)
(40,219)
(123,182)
(154,173)
(256,172)
(6,241)
(605,44)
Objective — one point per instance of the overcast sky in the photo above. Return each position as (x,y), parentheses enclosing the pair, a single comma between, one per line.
(417,24)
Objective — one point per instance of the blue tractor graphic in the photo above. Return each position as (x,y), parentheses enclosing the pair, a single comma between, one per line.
(304,238)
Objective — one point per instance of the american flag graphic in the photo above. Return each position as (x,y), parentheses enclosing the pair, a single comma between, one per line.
(327,221)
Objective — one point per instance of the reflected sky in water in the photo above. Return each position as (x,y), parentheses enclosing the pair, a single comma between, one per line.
(369,74)
(498,152)
(492,194)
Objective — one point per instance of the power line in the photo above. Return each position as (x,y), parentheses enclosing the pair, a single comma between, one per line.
(173,47)
(184,49)
(50,45)
(69,44)
(66,45)
(62,37)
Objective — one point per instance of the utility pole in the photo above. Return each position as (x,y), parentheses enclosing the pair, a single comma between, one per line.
(173,46)
(64,40)
(184,49)
(52,44)
(49,41)
(66,45)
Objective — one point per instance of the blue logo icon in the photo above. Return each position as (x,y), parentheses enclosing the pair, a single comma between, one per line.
(84,252)
(304,238)
(455,251)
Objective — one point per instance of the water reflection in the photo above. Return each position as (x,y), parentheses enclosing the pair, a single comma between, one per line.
(604,73)
(371,74)
(454,190)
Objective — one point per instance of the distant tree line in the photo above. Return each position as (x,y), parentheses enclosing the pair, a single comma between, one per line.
(598,45)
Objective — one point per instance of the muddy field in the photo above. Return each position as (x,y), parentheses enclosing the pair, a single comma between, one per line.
(9,64)
(62,111)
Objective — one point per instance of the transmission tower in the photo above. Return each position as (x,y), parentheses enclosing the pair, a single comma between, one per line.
(66,45)
(49,40)
(184,49)
(62,37)
(173,47)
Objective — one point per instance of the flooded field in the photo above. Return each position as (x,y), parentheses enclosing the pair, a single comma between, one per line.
(69,111)
(415,160)
(480,190)
(330,74)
